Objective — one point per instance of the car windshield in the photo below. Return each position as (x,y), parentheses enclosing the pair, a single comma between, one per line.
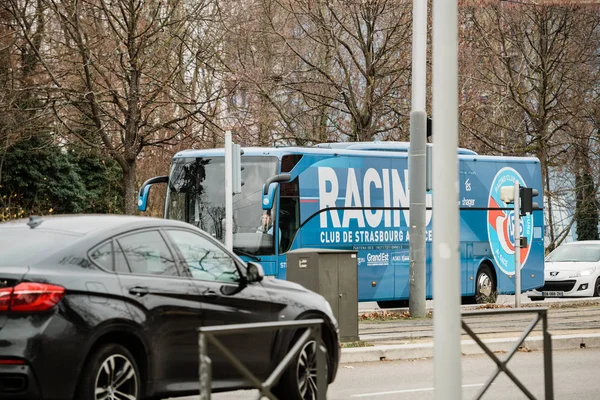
(583,252)
(28,246)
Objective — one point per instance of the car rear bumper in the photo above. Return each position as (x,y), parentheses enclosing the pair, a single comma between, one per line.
(18,382)
(51,349)
(572,287)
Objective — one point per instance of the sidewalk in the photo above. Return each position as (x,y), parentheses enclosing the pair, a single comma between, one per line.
(573,324)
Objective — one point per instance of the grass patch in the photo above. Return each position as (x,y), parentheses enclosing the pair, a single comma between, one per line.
(384,315)
(566,304)
(358,343)
(489,306)
(542,304)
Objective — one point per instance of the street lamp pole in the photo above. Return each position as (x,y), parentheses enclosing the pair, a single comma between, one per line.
(517,236)
(446,267)
(417,163)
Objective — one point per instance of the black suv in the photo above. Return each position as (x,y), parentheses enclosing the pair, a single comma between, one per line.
(107,307)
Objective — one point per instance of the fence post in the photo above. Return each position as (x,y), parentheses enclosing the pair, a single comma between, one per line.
(313,329)
(321,378)
(548,378)
(205,369)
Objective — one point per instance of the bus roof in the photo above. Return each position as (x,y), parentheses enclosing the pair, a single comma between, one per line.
(346,148)
(343,148)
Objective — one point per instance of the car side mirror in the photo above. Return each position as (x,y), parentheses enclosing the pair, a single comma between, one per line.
(256,273)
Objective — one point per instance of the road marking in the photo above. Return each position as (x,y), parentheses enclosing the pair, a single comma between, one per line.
(409,391)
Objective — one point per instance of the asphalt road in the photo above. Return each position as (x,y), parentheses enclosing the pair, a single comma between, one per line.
(575,377)
(414,379)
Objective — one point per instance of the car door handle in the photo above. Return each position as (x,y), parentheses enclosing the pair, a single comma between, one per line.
(139,291)
(210,294)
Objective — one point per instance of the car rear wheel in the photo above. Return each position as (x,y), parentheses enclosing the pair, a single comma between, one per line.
(111,373)
(299,381)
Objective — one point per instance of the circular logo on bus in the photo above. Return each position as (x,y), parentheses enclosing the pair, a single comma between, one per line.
(501,223)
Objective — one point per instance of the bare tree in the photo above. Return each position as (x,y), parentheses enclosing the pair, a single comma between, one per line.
(125,74)
(327,70)
(23,108)
(522,77)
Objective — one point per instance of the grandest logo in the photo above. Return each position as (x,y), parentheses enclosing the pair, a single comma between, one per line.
(501,223)
(378,259)
(386,181)
(381,257)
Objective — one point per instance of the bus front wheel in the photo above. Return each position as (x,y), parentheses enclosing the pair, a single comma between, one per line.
(485,286)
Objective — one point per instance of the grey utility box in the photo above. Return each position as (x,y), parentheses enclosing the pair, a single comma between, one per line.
(334,275)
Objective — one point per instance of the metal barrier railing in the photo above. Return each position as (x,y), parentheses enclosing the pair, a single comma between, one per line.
(209,334)
(501,366)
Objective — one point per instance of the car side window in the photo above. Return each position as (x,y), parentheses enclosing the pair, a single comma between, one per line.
(147,253)
(103,256)
(204,259)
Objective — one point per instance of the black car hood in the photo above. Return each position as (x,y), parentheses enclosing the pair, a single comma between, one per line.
(270,283)
(297,298)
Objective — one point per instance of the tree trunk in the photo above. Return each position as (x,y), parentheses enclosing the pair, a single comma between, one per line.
(550,196)
(129,188)
(586,212)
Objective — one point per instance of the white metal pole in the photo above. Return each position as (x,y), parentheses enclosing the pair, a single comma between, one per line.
(446,267)
(419,55)
(417,163)
(517,236)
(228,191)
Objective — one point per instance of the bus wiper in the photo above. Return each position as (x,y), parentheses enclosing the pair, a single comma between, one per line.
(245,253)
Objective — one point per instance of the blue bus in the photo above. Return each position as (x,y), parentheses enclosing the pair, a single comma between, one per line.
(355,196)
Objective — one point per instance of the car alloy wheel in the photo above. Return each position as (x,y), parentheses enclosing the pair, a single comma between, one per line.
(116,380)
(306,371)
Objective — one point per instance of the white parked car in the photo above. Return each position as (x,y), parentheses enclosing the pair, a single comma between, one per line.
(571,270)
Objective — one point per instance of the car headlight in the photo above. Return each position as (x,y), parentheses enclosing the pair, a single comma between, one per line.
(585,272)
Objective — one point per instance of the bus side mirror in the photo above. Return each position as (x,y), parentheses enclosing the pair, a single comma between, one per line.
(143,198)
(269,188)
(269,198)
(145,190)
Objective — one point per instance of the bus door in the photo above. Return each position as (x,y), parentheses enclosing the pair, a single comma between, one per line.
(467,270)
(401,263)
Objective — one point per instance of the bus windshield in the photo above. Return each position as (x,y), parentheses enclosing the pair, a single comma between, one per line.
(196,194)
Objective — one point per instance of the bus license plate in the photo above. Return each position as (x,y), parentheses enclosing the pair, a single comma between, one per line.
(553,293)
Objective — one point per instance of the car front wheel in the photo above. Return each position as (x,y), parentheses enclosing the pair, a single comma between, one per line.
(299,381)
(111,373)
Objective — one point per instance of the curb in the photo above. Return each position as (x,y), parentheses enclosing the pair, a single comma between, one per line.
(468,347)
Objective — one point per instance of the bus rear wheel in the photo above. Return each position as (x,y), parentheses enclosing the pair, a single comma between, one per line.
(393,304)
(485,286)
